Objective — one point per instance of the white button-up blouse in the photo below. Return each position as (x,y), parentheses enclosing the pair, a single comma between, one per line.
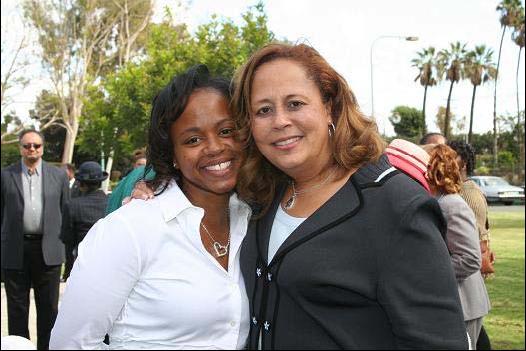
(144,277)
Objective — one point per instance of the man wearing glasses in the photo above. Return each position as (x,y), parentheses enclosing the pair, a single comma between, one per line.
(33,195)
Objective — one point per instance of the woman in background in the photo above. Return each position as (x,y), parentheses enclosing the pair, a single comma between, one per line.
(462,235)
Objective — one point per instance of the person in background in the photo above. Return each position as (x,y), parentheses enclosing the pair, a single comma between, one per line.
(462,235)
(82,212)
(34,194)
(339,256)
(124,189)
(474,197)
(74,191)
(433,138)
(164,274)
(139,158)
(410,159)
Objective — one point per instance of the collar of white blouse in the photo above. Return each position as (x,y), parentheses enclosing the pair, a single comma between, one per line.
(174,205)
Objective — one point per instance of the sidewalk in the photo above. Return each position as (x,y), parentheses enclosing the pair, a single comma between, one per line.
(32,313)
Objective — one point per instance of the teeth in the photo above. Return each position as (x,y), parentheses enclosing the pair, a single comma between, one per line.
(286,142)
(219,167)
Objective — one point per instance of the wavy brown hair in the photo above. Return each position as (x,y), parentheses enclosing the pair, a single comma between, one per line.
(443,172)
(356,140)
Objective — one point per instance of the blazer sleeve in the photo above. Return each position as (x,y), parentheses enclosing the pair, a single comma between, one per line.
(417,286)
(105,272)
(462,239)
(66,232)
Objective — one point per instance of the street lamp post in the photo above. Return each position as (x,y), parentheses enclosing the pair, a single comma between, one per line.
(409,38)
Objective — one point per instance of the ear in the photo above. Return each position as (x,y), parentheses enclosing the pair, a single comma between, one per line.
(328,111)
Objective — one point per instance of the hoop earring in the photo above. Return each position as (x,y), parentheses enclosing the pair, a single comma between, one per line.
(175,165)
(332,129)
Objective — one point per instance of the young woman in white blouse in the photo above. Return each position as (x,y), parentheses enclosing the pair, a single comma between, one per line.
(164,274)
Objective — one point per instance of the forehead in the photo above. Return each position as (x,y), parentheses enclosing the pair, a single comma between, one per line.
(31,138)
(204,107)
(281,76)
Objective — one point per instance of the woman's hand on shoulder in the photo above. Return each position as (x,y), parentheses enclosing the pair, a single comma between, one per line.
(141,191)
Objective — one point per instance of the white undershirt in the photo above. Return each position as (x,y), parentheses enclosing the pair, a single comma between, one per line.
(284,224)
(144,277)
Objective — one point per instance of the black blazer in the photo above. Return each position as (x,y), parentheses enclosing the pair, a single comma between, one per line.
(367,270)
(81,214)
(56,194)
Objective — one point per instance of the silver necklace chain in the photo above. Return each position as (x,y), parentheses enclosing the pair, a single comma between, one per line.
(292,200)
(220,249)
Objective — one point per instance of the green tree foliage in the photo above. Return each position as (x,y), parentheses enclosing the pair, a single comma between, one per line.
(117,113)
(407,122)
(451,63)
(479,68)
(426,63)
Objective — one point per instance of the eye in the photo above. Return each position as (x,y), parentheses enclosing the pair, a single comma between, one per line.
(193,140)
(226,131)
(263,111)
(295,104)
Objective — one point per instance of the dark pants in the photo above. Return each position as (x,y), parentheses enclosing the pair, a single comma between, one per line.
(483,342)
(70,259)
(45,281)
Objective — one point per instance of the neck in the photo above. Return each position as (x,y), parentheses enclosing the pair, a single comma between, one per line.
(32,165)
(305,181)
(215,205)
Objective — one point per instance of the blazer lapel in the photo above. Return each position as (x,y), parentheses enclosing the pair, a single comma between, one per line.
(344,204)
(264,225)
(17,178)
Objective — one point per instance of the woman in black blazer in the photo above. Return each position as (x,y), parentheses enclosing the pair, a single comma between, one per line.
(346,253)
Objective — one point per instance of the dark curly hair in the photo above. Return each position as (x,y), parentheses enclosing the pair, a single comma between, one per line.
(167,107)
(466,153)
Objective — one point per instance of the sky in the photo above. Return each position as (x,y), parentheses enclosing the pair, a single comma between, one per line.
(347,32)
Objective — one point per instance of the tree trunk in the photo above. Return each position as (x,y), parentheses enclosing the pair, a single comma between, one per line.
(69,144)
(424,126)
(109,165)
(470,133)
(519,134)
(495,135)
(448,107)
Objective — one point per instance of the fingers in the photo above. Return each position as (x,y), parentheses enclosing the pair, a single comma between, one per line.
(126,200)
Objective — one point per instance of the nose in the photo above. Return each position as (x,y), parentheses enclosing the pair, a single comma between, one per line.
(280,119)
(214,146)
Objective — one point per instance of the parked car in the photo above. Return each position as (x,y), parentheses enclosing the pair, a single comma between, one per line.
(498,189)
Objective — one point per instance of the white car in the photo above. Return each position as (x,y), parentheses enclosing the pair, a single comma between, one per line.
(497,189)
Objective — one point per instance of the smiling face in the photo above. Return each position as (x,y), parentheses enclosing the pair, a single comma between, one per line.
(205,150)
(289,121)
(31,148)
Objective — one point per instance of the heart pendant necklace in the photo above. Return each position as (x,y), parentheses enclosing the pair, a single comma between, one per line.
(220,249)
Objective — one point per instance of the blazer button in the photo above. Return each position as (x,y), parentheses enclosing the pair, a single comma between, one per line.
(254,320)
(269,277)
(258,272)
(266,325)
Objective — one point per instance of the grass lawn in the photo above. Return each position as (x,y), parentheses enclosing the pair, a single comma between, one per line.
(505,322)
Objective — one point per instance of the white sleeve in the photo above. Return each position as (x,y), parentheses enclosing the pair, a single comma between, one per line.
(106,270)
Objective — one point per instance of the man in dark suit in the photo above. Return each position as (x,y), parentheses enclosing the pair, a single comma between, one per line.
(33,195)
(83,211)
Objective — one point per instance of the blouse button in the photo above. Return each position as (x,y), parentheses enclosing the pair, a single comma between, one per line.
(232,324)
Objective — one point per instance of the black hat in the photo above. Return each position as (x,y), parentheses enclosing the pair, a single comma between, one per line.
(90,172)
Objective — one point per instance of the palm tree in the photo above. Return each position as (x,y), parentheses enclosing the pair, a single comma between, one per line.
(518,37)
(479,68)
(451,62)
(426,64)
(508,12)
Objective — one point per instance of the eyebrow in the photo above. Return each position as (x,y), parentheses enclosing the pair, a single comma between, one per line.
(196,129)
(286,98)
